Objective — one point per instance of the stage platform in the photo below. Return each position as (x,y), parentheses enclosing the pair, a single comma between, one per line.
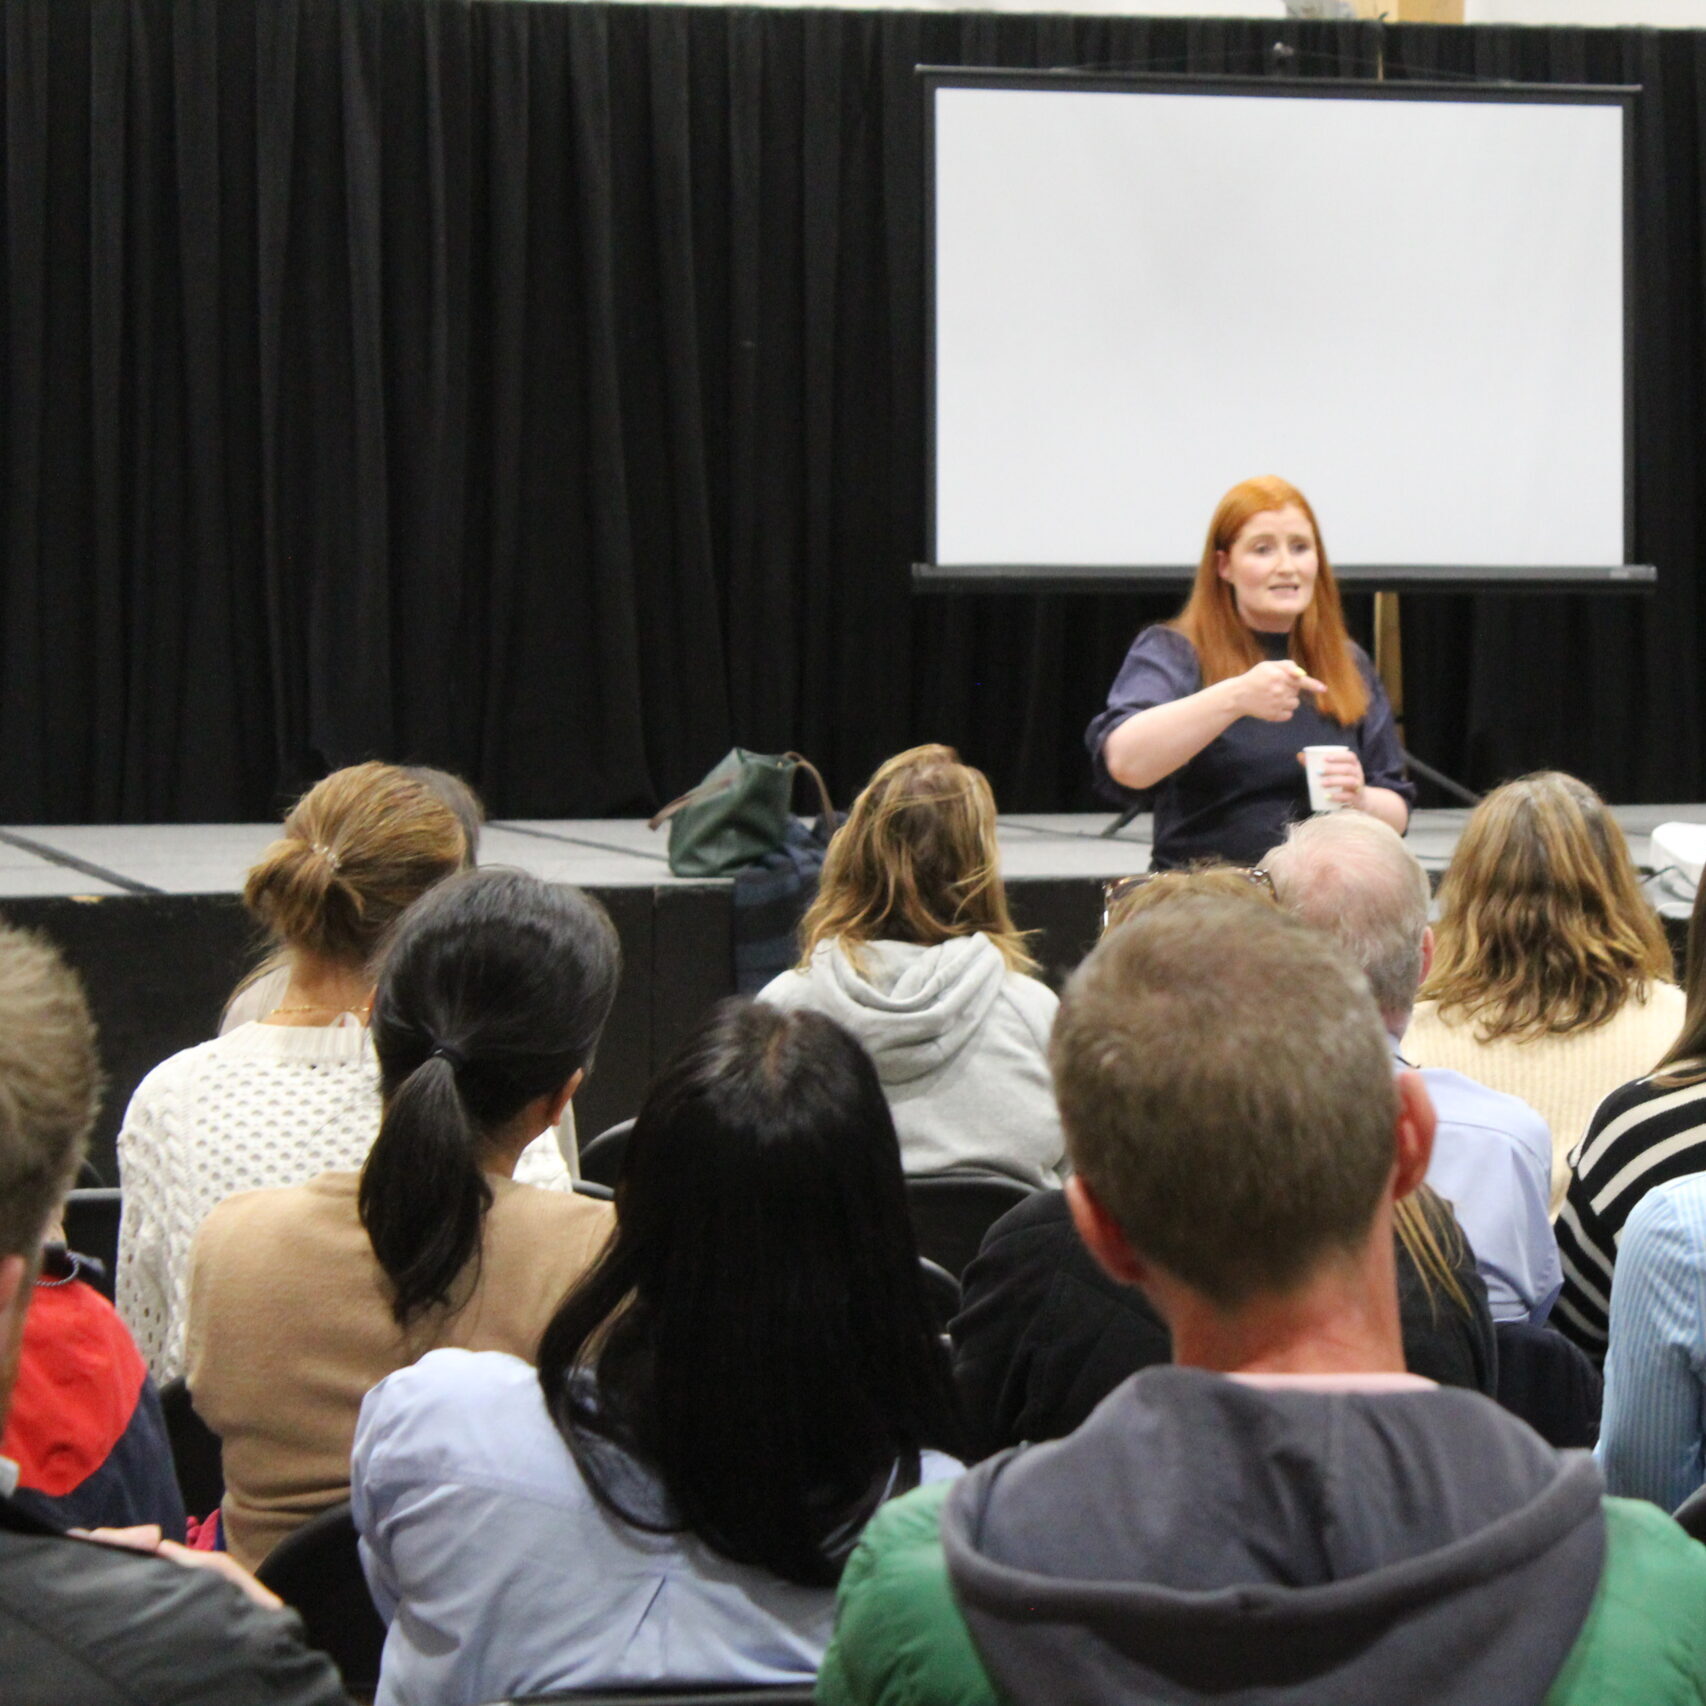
(150,915)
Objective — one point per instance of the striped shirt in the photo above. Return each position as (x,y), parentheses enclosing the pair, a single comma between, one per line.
(1650,1442)
(1641,1135)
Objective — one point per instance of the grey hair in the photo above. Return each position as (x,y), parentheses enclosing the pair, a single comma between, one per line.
(1351,875)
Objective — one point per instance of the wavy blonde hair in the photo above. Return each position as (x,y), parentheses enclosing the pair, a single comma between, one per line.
(1426,1227)
(1543,929)
(915,862)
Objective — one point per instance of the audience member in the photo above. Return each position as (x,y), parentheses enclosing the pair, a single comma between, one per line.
(294,1094)
(147,1622)
(748,1372)
(1550,969)
(910,946)
(1287,1515)
(85,1426)
(490,1001)
(263,989)
(1652,1442)
(1349,874)
(1045,1334)
(1643,1135)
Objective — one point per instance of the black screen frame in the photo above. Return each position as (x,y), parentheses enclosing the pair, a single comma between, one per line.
(1630,576)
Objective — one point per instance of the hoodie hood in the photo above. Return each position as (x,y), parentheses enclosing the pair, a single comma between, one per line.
(913,1008)
(1201,1538)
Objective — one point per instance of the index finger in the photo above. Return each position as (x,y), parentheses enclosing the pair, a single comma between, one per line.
(1311,685)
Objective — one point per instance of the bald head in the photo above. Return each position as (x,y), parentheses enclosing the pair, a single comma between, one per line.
(1352,876)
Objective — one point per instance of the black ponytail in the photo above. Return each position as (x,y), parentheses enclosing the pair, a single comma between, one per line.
(492,993)
(423,1195)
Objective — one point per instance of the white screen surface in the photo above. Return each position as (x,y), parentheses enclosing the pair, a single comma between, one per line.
(1412,309)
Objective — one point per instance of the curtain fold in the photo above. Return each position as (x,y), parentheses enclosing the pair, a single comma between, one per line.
(539,391)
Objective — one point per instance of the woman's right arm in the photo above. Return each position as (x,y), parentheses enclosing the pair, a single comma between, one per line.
(1150,745)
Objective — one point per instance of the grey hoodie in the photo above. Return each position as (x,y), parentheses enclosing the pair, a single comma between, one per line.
(960,1044)
(1204,1539)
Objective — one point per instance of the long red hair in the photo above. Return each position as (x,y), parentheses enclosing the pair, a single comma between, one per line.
(1319,642)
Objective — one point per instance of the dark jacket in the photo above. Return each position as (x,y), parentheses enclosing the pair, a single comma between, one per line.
(83,1624)
(1044,1335)
(84,1424)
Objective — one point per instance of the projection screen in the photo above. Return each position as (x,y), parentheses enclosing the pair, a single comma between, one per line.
(1410,301)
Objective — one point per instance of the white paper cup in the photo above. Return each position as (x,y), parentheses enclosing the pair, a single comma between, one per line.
(1313,759)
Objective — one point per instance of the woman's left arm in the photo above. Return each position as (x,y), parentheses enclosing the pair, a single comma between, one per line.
(1383,789)
(1342,775)
(1387,805)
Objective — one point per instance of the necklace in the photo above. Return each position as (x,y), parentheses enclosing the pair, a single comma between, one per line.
(312,1007)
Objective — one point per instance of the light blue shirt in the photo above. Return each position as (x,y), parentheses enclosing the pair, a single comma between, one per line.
(1655,1366)
(1492,1162)
(500,1574)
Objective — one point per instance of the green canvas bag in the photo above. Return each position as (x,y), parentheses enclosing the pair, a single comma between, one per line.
(737,814)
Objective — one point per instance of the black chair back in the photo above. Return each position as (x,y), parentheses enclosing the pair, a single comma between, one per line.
(196,1454)
(317,1572)
(601,1160)
(1550,1383)
(941,1291)
(952,1211)
(91,1229)
(1691,1513)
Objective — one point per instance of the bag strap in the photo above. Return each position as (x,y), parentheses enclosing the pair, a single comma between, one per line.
(710,790)
(704,791)
(828,809)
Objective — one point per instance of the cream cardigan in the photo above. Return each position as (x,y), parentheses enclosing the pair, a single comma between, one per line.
(1564,1077)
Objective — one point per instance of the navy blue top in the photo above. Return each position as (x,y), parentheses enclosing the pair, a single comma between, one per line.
(1235,798)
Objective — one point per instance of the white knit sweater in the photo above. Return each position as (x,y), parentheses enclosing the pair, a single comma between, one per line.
(1564,1077)
(263,1105)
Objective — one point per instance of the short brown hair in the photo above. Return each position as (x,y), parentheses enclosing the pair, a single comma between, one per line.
(357,849)
(915,862)
(1543,929)
(1226,1087)
(50,1085)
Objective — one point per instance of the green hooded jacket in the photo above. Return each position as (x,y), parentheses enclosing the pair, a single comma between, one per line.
(900,1639)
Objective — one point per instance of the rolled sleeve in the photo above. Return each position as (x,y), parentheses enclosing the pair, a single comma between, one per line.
(1379,748)
(1161,666)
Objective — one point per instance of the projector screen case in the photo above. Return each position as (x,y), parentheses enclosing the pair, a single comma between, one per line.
(1412,300)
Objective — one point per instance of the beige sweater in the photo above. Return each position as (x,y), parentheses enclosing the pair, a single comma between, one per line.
(290,1326)
(1565,1078)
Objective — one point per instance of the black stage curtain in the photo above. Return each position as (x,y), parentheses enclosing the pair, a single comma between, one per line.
(537,390)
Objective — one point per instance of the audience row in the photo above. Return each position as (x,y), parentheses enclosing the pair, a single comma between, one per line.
(692,1403)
